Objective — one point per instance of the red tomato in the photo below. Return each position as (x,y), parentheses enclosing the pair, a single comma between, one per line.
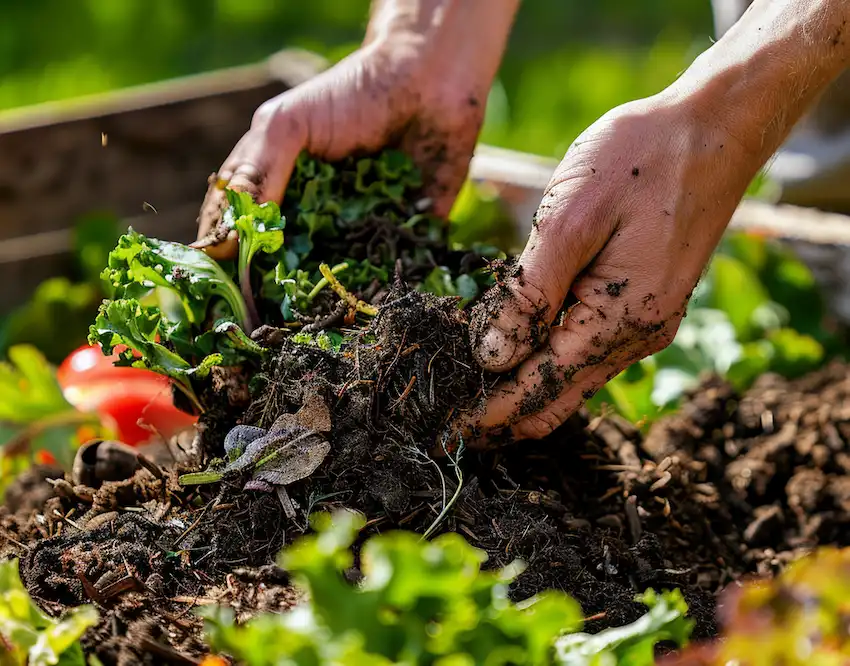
(122,396)
(87,363)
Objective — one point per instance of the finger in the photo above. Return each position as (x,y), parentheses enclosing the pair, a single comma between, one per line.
(580,357)
(260,164)
(571,226)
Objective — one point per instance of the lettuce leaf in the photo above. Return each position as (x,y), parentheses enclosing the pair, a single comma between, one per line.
(127,322)
(139,264)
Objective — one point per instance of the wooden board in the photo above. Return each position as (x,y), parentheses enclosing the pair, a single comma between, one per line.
(161,143)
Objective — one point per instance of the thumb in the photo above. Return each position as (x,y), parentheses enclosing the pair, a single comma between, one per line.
(514,316)
(260,164)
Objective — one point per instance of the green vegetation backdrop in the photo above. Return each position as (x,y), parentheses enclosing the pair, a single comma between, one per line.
(568,61)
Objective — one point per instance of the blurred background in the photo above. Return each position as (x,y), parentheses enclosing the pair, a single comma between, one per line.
(567,62)
(759,309)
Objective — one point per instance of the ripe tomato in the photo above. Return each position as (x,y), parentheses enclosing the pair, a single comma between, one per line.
(122,396)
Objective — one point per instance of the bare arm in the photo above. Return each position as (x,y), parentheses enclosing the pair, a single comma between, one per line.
(637,206)
(769,68)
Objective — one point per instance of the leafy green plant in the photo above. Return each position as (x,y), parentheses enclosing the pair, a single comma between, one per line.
(260,228)
(34,414)
(28,637)
(178,312)
(423,603)
(202,316)
(140,264)
(136,327)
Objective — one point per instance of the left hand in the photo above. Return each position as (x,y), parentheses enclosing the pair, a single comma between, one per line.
(627,225)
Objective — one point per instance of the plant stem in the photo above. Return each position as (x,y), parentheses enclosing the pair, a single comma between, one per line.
(253,317)
(321,284)
(344,294)
(189,392)
(199,478)
(446,507)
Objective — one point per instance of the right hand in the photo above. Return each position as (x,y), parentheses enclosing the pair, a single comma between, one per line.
(383,95)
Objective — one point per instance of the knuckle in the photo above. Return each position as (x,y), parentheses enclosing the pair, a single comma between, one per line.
(265,112)
(537,426)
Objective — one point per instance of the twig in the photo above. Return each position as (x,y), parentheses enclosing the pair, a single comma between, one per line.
(201,601)
(405,393)
(190,528)
(166,652)
(149,465)
(598,616)
(428,459)
(4,534)
(633,518)
(66,519)
(344,294)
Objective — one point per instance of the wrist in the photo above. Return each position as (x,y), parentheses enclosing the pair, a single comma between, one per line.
(758,80)
(452,45)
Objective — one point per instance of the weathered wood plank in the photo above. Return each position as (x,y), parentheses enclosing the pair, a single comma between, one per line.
(161,143)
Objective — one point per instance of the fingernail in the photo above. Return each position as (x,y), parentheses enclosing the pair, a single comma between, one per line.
(496,349)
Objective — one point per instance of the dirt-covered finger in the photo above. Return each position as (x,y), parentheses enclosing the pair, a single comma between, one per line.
(579,357)
(260,164)
(513,318)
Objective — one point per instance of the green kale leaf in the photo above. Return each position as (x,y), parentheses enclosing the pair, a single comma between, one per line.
(140,264)
(127,322)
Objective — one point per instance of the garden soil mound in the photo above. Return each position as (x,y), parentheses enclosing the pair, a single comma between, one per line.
(729,486)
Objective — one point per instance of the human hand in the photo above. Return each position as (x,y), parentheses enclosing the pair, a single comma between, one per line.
(626,226)
(633,212)
(419,83)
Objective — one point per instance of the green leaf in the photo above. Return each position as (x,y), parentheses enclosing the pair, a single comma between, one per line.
(33,407)
(632,644)
(139,264)
(28,387)
(794,353)
(33,638)
(259,226)
(127,322)
(230,342)
(736,290)
(419,602)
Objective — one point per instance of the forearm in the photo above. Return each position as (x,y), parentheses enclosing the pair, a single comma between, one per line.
(462,39)
(768,69)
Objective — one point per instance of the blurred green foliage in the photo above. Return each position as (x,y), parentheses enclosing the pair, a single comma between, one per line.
(429,604)
(65,303)
(566,64)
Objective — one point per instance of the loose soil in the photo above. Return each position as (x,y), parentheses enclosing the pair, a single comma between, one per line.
(729,486)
